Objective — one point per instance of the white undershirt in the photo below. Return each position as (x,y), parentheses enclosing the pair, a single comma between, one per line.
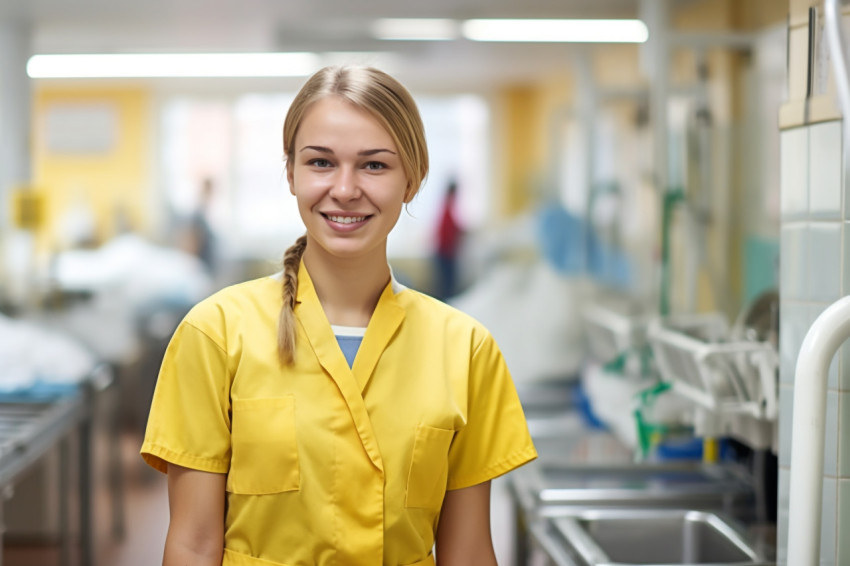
(348,330)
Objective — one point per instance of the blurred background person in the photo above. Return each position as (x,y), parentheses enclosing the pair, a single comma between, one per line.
(198,237)
(449,236)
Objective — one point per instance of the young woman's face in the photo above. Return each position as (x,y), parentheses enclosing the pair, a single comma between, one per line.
(347,177)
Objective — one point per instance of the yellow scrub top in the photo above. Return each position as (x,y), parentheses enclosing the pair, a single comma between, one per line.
(328,464)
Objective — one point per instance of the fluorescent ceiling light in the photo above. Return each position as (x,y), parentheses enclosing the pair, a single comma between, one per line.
(173,65)
(415,29)
(567,31)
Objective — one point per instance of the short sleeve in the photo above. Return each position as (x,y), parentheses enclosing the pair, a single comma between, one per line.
(495,439)
(189,423)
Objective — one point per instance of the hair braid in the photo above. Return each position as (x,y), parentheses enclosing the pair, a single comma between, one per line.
(286,322)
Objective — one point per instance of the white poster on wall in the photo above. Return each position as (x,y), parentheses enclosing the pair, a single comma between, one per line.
(81,128)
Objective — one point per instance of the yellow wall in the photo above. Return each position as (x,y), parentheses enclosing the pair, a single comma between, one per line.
(516,110)
(522,124)
(617,66)
(759,14)
(524,118)
(119,179)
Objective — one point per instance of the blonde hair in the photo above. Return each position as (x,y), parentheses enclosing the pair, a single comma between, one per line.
(386,100)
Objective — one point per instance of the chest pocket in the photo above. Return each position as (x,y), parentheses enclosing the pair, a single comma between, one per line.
(264,452)
(429,467)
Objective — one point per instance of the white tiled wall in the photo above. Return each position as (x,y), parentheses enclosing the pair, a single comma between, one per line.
(815,239)
(824,258)
(843,519)
(793,260)
(794,171)
(824,177)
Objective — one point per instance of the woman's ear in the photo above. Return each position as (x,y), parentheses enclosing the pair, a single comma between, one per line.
(409,193)
(290,178)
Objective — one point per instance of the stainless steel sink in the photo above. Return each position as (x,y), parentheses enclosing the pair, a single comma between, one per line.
(545,488)
(683,484)
(582,470)
(658,537)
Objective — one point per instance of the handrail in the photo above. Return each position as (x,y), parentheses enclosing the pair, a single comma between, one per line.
(827,333)
(824,337)
(821,343)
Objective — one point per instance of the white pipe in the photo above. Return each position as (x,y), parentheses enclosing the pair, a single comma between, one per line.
(822,340)
(827,333)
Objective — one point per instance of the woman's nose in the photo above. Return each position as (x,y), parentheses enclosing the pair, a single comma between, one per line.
(345,185)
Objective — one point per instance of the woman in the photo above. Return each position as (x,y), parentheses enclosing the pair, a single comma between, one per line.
(328,415)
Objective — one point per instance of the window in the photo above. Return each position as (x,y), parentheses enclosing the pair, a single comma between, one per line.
(238,144)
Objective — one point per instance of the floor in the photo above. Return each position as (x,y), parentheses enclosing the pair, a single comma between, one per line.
(146,518)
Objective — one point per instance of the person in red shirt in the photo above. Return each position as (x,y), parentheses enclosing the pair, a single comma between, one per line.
(449,234)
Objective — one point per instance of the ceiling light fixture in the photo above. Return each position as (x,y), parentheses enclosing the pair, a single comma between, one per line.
(189,65)
(558,31)
(415,29)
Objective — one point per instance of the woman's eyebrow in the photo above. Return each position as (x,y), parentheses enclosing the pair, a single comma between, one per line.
(319,148)
(364,153)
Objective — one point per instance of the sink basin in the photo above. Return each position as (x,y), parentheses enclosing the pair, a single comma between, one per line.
(545,488)
(658,537)
(682,483)
(588,470)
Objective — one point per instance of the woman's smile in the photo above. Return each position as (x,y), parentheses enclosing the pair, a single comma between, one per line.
(346,222)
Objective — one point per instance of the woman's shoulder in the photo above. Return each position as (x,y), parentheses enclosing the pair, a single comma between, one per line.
(237,300)
(425,307)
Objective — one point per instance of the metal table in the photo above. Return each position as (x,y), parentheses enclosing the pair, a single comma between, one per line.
(30,429)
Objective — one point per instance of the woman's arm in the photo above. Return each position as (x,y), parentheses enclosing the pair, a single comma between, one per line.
(463,535)
(196,506)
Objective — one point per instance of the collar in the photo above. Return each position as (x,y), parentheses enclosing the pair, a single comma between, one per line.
(303,275)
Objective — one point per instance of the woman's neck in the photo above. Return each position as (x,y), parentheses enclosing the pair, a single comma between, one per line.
(348,289)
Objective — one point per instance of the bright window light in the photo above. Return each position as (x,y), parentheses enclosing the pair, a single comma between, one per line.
(415,29)
(566,31)
(173,65)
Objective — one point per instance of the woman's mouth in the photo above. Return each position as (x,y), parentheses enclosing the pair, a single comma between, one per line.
(344,219)
(343,223)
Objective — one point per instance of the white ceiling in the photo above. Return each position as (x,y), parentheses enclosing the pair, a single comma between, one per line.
(106,26)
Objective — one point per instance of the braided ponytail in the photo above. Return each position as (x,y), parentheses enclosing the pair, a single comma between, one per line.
(286,322)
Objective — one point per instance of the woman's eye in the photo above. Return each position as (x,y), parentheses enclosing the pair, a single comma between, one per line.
(319,162)
(375,166)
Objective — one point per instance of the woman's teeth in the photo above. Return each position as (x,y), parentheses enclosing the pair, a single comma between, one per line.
(346,219)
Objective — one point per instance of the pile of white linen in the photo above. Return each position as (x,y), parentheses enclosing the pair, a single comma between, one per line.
(31,354)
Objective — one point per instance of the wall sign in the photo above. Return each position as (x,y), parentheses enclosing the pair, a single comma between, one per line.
(81,129)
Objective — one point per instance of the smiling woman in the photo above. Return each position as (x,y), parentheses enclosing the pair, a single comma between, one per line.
(277,395)
(349,181)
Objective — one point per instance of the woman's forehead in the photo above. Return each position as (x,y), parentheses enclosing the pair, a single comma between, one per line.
(337,120)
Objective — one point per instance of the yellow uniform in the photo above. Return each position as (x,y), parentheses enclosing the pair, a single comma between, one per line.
(328,464)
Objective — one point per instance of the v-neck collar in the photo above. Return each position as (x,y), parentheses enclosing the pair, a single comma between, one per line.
(352,382)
